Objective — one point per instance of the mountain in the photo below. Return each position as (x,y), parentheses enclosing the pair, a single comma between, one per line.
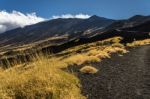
(65,28)
(131,22)
(60,31)
(145,27)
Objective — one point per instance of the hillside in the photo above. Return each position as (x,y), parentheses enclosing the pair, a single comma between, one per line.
(61,76)
(71,28)
(94,58)
(142,27)
(60,31)
(131,22)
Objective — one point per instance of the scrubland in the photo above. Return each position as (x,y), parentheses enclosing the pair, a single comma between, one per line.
(45,77)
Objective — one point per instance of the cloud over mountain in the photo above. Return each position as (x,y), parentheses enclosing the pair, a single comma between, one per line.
(14,19)
(80,16)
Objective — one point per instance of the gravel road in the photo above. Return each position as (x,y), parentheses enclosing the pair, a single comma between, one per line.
(120,77)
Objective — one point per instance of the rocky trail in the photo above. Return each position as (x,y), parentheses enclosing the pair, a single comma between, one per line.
(120,77)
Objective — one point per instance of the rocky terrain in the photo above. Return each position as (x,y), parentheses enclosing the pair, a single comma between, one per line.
(94,58)
(121,77)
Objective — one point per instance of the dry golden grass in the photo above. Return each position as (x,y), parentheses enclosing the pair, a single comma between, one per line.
(41,79)
(89,70)
(139,43)
(98,44)
(79,59)
(112,40)
(93,52)
(44,77)
(93,55)
(111,49)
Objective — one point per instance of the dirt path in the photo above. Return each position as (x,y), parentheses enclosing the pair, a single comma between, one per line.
(121,77)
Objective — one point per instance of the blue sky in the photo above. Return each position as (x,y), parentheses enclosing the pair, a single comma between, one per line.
(115,9)
(19,13)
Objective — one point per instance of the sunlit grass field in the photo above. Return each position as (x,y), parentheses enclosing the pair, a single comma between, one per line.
(45,77)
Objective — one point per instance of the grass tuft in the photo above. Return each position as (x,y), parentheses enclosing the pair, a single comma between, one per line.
(88,70)
(139,43)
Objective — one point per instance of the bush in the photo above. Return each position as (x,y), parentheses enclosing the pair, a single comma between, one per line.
(139,43)
(88,70)
(80,59)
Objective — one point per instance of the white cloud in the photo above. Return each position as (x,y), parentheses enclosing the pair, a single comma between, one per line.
(80,16)
(16,19)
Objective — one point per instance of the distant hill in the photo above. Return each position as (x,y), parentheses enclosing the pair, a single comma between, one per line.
(59,31)
(71,28)
(131,22)
(145,27)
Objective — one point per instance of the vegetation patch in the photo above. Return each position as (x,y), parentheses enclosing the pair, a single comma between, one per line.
(93,52)
(44,79)
(88,70)
(80,59)
(139,43)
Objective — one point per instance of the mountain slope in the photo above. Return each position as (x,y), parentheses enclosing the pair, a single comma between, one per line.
(131,22)
(53,28)
(61,31)
(145,27)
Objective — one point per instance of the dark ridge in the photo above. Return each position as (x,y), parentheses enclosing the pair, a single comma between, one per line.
(127,23)
(127,36)
(142,27)
(138,17)
(95,17)
(51,28)
(75,28)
